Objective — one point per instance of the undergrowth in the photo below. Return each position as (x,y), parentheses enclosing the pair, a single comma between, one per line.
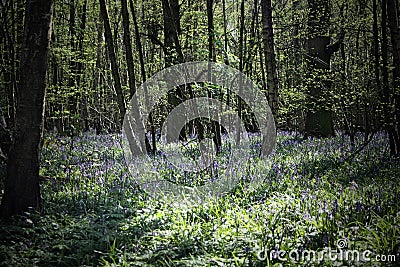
(312,197)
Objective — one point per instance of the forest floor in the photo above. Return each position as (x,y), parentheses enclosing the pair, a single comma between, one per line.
(316,207)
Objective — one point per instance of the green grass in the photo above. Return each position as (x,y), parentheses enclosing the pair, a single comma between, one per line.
(95,214)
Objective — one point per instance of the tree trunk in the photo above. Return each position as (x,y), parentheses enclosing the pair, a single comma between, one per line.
(241,67)
(226,58)
(138,42)
(113,60)
(386,101)
(22,181)
(251,51)
(72,82)
(210,28)
(270,61)
(319,121)
(171,13)
(83,102)
(128,47)
(9,60)
(393,19)
(172,49)
(215,127)
(144,78)
(97,77)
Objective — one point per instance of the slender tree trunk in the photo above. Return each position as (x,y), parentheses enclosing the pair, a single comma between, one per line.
(138,42)
(129,59)
(81,37)
(386,101)
(72,33)
(376,47)
(393,19)
(251,51)
(128,47)
(226,58)
(113,60)
(296,77)
(261,56)
(83,102)
(210,25)
(215,127)
(241,67)
(72,81)
(270,61)
(22,182)
(97,77)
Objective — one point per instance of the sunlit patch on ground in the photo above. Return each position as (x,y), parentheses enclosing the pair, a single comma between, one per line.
(312,195)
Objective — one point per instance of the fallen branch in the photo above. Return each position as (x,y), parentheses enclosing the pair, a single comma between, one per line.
(359,149)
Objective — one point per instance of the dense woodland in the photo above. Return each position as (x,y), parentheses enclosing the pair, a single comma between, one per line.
(330,72)
(99,54)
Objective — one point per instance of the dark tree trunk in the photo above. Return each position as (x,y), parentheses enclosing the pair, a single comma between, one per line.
(261,56)
(319,121)
(386,98)
(226,58)
(81,37)
(113,60)
(97,77)
(210,25)
(80,67)
(376,46)
(172,28)
(7,40)
(22,182)
(138,42)
(128,47)
(215,127)
(270,61)
(393,19)
(241,67)
(143,74)
(73,98)
(172,49)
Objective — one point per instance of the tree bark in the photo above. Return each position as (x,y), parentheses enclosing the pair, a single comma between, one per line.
(226,58)
(73,97)
(319,121)
(386,98)
(9,59)
(241,67)
(215,127)
(128,45)
(393,20)
(80,67)
(97,77)
(113,60)
(172,48)
(22,182)
(270,60)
